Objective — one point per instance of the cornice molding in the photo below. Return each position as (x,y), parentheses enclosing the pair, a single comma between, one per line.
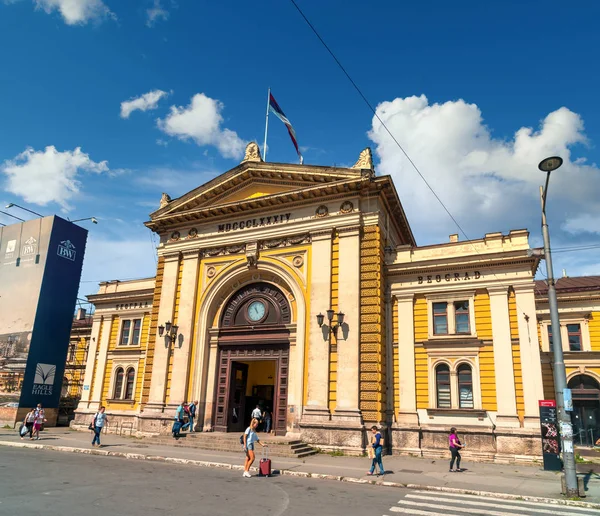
(349,231)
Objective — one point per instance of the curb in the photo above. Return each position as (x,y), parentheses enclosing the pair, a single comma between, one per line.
(301,474)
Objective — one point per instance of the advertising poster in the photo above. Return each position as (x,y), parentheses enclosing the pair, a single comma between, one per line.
(40,269)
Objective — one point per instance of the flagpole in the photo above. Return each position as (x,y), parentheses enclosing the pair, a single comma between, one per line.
(267,125)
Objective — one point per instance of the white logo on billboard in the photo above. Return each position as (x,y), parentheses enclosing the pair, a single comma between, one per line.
(44,379)
(44,374)
(66,250)
(30,246)
(10,248)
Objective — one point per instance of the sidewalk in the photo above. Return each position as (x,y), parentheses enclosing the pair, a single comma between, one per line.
(510,480)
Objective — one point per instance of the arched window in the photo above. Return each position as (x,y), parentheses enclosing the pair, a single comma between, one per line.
(465,386)
(130,383)
(442,381)
(118,384)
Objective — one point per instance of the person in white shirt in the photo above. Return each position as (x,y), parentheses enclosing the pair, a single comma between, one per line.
(250,437)
(257,414)
(40,419)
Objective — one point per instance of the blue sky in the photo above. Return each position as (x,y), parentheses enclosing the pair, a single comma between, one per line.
(477,93)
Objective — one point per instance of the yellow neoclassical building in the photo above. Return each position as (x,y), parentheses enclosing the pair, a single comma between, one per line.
(301,288)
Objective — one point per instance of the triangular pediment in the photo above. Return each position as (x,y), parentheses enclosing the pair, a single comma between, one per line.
(261,180)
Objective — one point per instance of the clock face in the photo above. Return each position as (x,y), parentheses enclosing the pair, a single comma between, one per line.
(256,311)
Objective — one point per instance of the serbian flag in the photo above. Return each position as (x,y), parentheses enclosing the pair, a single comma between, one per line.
(278,112)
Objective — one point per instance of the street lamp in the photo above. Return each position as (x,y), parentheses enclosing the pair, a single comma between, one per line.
(93,219)
(333,328)
(13,216)
(559,371)
(12,204)
(171,332)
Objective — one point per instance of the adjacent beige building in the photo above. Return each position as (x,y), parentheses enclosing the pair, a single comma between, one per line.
(417,339)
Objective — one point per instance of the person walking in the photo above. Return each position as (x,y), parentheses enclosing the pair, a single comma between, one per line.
(250,438)
(267,419)
(38,421)
(455,446)
(28,422)
(192,414)
(179,415)
(99,421)
(377,444)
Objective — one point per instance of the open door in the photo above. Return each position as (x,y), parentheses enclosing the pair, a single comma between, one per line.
(237,397)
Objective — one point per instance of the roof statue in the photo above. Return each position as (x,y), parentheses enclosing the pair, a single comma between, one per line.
(365,160)
(252,152)
(164,200)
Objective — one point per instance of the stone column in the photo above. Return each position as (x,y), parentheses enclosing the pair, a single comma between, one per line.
(533,389)
(158,381)
(318,348)
(96,388)
(407,391)
(348,373)
(506,398)
(90,364)
(185,320)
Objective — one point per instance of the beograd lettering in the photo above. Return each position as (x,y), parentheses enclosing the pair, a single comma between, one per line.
(453,276)
(255,223)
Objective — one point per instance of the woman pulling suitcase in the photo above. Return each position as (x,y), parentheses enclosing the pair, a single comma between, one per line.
(250,437)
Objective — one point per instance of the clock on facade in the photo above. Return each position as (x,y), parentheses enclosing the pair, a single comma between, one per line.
(256,311)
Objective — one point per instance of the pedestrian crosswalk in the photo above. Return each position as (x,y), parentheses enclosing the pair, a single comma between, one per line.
(433,503)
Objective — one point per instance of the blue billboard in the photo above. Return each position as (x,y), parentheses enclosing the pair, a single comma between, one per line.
(40,271)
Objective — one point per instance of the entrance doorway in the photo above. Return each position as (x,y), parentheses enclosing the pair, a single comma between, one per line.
(586,409)
(252,385)
(253,361)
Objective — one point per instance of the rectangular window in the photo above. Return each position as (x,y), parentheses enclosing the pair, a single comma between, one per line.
(440,318)
(137,328)
(574,331)
(125,333)
(550,335)
(461,317)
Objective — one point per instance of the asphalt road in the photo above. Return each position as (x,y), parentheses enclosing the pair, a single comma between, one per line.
(38,482)
(48,483)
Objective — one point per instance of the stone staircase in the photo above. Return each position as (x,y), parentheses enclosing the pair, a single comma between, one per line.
(230,442)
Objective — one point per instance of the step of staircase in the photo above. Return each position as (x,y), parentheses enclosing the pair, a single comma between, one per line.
(230,442)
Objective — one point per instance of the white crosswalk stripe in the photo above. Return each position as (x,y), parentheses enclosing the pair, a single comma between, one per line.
(432,503)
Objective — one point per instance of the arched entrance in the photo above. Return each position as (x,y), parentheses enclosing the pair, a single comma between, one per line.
(586,409)
(253,358)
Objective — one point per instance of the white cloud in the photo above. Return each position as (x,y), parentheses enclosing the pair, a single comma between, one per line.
(155,13)
(76,12)
(488,184)
(42,177)
(144,102)
(201,121)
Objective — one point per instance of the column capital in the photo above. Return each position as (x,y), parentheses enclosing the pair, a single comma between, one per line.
(189,254)
(321,234)
(497,290)
(171,256)
(349,231)
(403,297)
(524,288)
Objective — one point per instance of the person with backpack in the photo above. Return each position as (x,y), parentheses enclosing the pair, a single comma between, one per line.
(377,444)
(97,425)
(455,445)
(192,414)
(249,438)
(28,423)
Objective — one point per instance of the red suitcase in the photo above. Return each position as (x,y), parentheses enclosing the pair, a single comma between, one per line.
(264,466)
